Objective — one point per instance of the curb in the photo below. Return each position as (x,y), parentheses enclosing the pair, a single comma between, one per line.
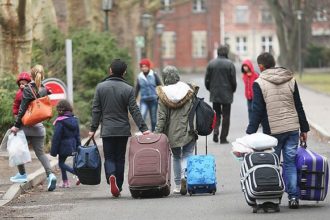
(34,179)
(319,129)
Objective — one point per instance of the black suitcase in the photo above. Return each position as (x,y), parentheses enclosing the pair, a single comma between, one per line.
(87,163)
(261,181)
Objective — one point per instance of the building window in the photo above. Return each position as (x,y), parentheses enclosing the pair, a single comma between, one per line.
(321,15)
(199,6)
(167,5)
(267,44)
(242,14)
(199,44)
(266,15)
(241,45)
(168,44)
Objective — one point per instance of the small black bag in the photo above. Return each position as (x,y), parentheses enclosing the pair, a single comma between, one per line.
(87,163)
(205,117)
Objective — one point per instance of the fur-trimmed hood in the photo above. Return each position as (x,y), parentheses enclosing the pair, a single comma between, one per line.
(176,95)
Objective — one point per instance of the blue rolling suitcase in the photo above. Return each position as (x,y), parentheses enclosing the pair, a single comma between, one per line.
(201,173)
(313,174)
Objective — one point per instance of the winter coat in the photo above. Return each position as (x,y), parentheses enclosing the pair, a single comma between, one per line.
(220,80)
(146,86)
(26,99)
(66,137)
(249,79)
(277,103)
(113,98)
(19,94)
(174,105)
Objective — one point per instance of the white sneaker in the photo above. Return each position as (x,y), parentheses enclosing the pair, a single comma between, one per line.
(177,189)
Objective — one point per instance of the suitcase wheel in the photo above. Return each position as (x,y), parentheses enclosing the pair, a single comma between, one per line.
(166,190)
(255,209)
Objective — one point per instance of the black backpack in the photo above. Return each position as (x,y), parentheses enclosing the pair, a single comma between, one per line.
(205,117)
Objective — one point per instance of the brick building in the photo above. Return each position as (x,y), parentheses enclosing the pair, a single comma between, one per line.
(194,29)
(191,33)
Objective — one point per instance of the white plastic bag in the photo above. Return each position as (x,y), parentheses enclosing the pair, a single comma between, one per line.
(18,149)
(258,141)
(3,146)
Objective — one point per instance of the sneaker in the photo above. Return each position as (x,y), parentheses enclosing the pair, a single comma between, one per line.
(293,203)
(65,184)
(215,138)
(113,186)
(77,182)
(177,189)
(51,182)
(183,190)
(18,178)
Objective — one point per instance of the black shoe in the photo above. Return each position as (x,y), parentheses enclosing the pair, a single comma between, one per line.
(224,141)
(293,203)
(215,138)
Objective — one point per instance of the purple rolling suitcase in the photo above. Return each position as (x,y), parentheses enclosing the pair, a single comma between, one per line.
(313,174)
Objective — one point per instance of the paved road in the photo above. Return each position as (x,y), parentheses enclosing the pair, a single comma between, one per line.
(88,202)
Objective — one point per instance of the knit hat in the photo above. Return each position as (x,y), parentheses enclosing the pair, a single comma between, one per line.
(170,75)
(118,67)
(23,76)
(145,62)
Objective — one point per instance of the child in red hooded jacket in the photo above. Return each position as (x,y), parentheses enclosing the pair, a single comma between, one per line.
(249,76)
(22,79)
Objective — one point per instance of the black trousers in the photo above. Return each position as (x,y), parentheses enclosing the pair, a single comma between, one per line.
(222,110)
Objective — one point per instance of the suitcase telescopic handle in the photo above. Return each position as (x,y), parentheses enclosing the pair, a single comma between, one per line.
(205,146)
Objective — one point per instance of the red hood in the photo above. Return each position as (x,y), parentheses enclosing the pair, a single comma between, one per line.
(23,76)
(249,64)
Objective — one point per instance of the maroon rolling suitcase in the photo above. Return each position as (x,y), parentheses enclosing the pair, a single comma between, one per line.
(149,173)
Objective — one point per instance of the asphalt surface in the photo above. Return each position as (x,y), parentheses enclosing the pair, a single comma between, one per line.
(95,202)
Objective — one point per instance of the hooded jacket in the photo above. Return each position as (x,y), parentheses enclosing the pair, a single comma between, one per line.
(66,137)
(19,94)
(175,103)
(277,102)
(248,80)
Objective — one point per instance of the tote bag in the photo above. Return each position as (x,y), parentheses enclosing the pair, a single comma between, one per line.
(39,109)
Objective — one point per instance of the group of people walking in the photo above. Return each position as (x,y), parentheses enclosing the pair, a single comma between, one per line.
(272,99)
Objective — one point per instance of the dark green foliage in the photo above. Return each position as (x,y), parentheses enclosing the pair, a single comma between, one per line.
(92,54)
(8,88)
(317,56)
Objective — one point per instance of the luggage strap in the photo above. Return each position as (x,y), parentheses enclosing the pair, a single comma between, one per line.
(312,172)
(257,167)
(303,187)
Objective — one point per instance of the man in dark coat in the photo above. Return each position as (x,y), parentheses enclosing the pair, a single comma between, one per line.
(113,98)
(220,80)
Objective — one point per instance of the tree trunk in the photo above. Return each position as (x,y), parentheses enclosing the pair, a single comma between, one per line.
(287,24)
(15,36)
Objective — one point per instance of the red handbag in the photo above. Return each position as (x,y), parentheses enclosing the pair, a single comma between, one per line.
(40,109)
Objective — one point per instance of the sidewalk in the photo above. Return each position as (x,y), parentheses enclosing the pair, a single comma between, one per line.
(317,110)
(34,169)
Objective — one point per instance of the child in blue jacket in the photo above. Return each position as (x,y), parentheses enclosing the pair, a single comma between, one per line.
(66,138)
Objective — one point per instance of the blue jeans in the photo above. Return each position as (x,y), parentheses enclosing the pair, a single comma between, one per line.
(64,168)
(180,156)
(114,149)
(288,144)
(150,106)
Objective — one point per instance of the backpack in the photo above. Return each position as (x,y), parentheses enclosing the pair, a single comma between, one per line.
(205,117)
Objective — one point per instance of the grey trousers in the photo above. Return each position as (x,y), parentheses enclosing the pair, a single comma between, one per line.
(37,143)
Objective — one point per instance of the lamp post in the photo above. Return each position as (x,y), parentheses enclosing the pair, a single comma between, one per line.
(146,20)
(159,31)
(299,18)
(106,7)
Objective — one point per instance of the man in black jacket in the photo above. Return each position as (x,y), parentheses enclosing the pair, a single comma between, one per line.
(113,98)
(220,80)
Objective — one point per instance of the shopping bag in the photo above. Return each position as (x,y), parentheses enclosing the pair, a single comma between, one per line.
(39,109)
(18,149)
(3,146)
